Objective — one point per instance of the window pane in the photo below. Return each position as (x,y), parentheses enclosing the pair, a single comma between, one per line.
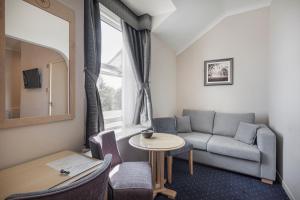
(111,92)
(111,42)
(110,79)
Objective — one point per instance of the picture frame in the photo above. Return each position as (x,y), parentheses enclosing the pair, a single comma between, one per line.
(218,72)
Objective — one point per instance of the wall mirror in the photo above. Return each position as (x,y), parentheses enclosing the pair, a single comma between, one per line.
(37,62)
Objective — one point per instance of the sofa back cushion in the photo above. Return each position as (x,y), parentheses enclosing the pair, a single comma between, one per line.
(246,133)
(164,124)
(226,124)
(183,124)
(201,121)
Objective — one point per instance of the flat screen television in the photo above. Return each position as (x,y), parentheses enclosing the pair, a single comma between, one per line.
(32,78)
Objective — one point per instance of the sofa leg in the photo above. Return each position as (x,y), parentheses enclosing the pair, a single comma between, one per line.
(191,167)
(170,163)
(267,181)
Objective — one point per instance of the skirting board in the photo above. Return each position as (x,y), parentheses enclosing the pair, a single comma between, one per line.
(285,187)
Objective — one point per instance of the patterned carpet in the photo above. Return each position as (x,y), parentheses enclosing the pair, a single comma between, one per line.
(210,183)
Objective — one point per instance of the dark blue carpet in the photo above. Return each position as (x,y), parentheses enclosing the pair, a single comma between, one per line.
(210,183)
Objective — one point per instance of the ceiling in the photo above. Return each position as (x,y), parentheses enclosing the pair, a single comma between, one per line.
(181,22)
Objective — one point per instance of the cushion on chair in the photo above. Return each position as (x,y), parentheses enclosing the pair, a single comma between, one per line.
(246,133)
(227,123)
(201,121)
(131,175)
(228,146)
(183,124)
(198,140)
(164,125)
(186,148)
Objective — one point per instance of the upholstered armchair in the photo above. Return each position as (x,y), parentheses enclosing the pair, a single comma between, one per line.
(127,180)
(91,187)
(168,125)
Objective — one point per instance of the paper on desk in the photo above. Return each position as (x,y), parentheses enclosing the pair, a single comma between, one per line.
(75,164)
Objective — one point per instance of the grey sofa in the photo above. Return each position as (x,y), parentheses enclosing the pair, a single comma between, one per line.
(213,140)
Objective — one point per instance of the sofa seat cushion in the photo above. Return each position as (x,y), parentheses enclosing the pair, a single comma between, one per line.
(227,123)
(197,139)
(228,146)
(134,175)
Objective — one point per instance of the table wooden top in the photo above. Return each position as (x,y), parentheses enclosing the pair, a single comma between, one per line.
(158,142)
(36,175)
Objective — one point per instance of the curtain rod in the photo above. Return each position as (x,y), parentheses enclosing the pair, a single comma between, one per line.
(120,9)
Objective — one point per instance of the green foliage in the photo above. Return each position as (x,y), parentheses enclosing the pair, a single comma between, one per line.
(117,100)
(111,99)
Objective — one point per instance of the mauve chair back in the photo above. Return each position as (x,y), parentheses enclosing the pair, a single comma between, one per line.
(91,187)
(105,143)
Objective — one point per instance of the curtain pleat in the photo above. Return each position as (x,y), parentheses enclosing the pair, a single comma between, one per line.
(138,45)
(92,60)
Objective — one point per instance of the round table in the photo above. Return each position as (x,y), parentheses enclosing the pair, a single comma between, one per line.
(157,145)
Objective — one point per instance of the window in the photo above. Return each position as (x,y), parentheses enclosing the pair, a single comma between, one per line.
(111,75)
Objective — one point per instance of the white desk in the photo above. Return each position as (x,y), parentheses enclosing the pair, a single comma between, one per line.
(37,175)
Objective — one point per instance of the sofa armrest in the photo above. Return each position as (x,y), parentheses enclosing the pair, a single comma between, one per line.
(266,143)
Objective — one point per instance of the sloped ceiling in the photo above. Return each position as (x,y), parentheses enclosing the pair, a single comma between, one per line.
(181,22)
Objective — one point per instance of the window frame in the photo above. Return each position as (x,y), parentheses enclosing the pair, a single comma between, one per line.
(108,17)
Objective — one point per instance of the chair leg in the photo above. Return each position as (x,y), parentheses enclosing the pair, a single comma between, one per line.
(170,163)
(191,168)
(267,181)
(106,195)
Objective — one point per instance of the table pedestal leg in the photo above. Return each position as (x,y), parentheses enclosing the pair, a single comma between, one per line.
(157,160)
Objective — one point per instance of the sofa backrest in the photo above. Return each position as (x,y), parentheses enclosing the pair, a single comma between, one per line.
(201,121)
(226,124)
(164,124)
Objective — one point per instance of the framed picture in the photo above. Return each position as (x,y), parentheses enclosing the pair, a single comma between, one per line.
(218,72)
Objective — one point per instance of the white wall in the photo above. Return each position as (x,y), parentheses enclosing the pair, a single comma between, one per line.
(12,82)
(22,144)
(284,96)
(162,78)
(28,23)
(35,102)
(243,37)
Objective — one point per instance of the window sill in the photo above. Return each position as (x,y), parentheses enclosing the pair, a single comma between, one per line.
(126,132)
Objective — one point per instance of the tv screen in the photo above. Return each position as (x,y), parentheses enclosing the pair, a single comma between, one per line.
(32,78)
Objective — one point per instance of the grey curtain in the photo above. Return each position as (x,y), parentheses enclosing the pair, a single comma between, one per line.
(138,45)
(92,61)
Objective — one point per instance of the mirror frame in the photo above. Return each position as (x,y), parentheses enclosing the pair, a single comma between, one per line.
(60,10)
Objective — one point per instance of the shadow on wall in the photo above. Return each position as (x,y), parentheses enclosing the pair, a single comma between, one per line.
(263,119)
(279,152)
